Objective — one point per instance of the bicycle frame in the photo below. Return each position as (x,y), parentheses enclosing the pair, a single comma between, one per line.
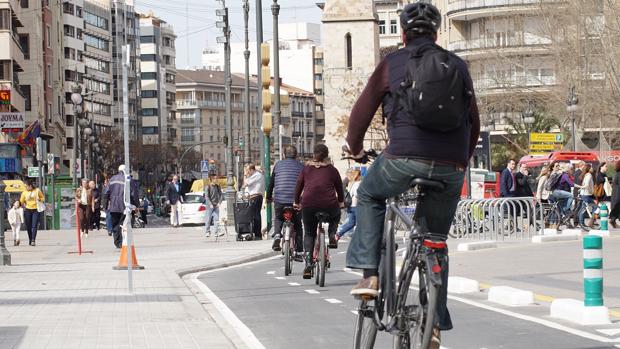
(322,227)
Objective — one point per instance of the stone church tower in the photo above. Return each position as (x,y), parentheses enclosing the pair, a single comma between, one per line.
(351,53)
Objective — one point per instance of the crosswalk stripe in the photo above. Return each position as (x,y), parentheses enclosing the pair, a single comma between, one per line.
(280,278)
(312,291)
(333,300)
(293,283)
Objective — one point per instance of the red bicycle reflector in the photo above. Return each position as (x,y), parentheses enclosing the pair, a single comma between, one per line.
(202,208)
(436,269)
(435,244)
(288,215)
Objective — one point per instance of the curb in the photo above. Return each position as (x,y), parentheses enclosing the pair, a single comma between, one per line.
(252,258)
(549,238)
(474,246)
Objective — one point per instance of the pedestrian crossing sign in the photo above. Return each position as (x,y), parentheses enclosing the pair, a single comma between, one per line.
(204,166)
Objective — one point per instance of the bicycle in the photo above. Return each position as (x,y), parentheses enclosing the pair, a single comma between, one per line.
(409,318)
(288,248)
(320,255)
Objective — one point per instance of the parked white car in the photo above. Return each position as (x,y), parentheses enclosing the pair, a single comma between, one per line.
(193,209)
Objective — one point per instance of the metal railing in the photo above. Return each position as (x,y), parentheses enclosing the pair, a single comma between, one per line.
(498,219)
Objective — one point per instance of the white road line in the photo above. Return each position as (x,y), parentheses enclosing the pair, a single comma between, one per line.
(342,252)
(543,322)
(354,312)
(280,278)
(312,291)
(293,283)
(271,272)
(242,330)
(333,300)
(609,331)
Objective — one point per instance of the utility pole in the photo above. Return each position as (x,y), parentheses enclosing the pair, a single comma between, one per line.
(230,190)
(275,11)
(259,73)
(127,174)
(247,156)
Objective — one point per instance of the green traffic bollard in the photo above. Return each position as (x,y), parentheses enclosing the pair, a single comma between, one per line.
(604,216)
(593,270)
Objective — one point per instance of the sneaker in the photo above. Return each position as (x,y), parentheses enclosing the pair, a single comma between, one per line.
(333,242)
(276,245)
(17,242)
(366,288)
(298,257)
(208,235)
(436,339)
(81,234)
(308,272)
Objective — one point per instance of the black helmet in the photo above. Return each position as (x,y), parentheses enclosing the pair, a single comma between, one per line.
(421,18)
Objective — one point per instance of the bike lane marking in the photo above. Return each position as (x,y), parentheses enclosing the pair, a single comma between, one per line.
(294,283)
(312,291)
(332,300)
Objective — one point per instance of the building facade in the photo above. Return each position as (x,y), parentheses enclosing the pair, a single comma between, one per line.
(157,81)
(12,60)
(201,106)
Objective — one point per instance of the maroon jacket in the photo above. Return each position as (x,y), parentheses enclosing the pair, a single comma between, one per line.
(319,186)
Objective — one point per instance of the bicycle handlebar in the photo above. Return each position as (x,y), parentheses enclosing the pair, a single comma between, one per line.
(369,155)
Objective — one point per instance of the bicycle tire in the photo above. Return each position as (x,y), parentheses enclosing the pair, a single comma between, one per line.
(420,335)
(287,255)
(322,260)
(365,330)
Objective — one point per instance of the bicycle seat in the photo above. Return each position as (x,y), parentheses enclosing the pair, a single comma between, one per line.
(428,184)
(288,209)
(322,216)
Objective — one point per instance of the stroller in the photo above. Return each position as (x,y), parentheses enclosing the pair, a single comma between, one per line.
(243,219)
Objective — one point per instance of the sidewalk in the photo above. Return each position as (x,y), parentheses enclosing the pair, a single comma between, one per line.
(51,299)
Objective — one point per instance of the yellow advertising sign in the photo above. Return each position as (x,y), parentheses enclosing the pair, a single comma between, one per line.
(545,147)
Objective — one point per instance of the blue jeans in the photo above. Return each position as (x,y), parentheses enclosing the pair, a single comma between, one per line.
(390,177)
(350,223)
(31,218)
(108,222)
(563,195)
(586,200)
(215,214)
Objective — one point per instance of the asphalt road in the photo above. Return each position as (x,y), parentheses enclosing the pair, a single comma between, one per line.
(289,312)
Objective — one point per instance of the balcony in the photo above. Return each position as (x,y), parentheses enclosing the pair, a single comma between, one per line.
(530,83)
(309,114)
(296,134)
(285,120)
(519,43)
(297,114)
(209,104)
(467,10)
(309,134)
(319,122)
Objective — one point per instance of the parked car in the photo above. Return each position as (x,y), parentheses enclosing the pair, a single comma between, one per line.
(193,209)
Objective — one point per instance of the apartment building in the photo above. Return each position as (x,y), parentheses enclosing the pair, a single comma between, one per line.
(302,105)
(157,80)
(201,105)
(11,55)
(125,31)
(319,87)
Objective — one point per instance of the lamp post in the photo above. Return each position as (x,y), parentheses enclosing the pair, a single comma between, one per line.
(246,54)
(76,98)
(571,107)
(528,120)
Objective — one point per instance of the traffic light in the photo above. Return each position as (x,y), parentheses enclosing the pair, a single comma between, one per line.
(266,94)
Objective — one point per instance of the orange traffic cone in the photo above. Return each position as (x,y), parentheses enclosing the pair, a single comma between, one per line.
(122,261)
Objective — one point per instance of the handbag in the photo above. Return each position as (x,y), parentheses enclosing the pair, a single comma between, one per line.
(607,187)
(599,191)
(40,204)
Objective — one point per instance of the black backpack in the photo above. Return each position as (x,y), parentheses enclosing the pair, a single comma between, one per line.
(553,181)
(433,92)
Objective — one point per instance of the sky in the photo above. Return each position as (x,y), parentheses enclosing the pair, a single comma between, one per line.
(201,22)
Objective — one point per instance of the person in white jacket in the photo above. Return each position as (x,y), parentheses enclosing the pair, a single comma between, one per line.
(16,217)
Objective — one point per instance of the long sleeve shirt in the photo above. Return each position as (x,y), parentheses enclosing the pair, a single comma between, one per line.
(319,187)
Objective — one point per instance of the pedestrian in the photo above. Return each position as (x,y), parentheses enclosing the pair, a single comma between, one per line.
(254,184)
(564,189)
(104,205)
(16,218)
(522,179)
(586,193)
(95,219)
(600,180)
(173,193)
(84,202)
(32,199)
(282,192)
(507,180)
(577,176)
(354,179)
(213,199)
(542,195)
(319,189)
(115,197)
(615,197)
(144,210)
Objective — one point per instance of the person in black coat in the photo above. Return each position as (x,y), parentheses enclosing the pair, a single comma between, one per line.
(174,195)
(507,180)
(522,187)
(615,197)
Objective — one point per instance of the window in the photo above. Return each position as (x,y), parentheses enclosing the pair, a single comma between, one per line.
(148,76)
(381,27)
(48,36)
(148,58)
(49,75)
(23,3)
(69,31)
(5,70)
(26,92)
(69,53)
(318,61)
(348,52)
(69,142)
(148,93)
(96,42)
(318,91)
(68,8)
(24,42)
(170,78)
(96,64)
(149,112)
(69,121)
(150,130)
(95,20)
(98,86)
(78,11)
(188,117)
(318,77)
(393,27)
(149,39)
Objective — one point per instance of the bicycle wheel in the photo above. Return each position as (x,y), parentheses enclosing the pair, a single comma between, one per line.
(420,309)
(322,262)
(365,329)
(288,265)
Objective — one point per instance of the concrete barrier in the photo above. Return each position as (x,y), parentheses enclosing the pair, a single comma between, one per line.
(575,311)
(510,296)
(601,233)
(549,238)
(473,246)
(460,285)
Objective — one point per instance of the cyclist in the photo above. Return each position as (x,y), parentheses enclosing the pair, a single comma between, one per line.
(282,192)
(319,189)
(413,151)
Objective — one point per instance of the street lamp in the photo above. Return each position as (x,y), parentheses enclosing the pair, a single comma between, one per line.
(528,120)
(571,107)
(76,98)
